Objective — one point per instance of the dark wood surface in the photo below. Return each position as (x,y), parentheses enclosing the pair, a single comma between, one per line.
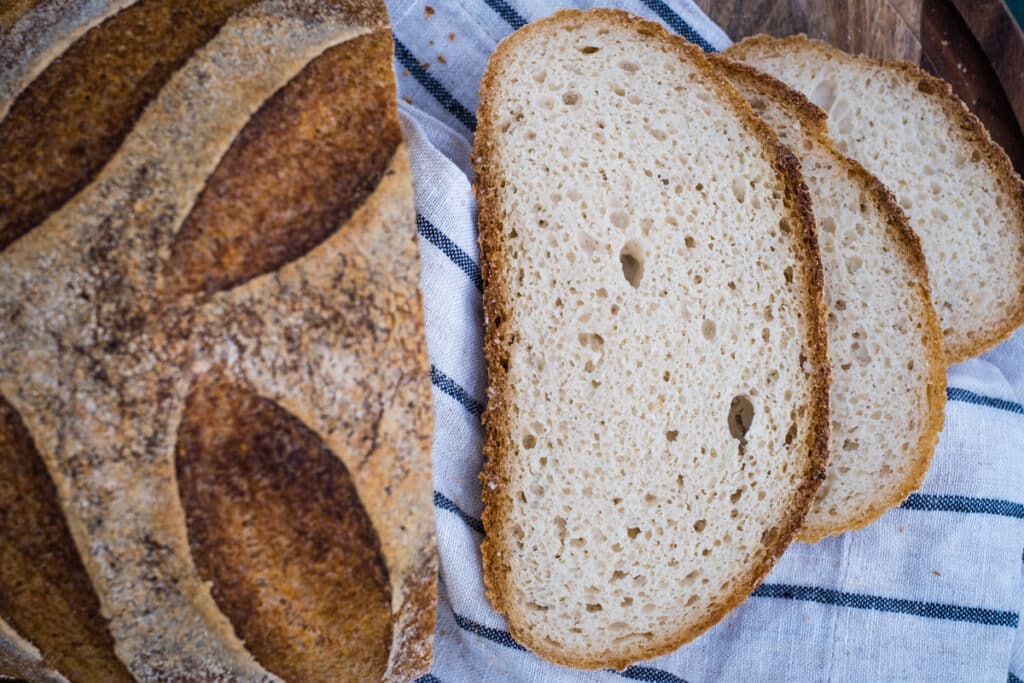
(973,44)
(1003,43)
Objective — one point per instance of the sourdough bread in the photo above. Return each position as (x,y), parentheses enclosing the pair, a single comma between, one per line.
(212,360)
(657,417)
(961,195)
(888,370)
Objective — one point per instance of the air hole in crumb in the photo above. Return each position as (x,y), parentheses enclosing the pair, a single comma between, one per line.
(618,575)
(741,416)
(925,86)
(690,242)
(588,49)
(591,340)
(620,219)
(739,189)
(824,94)
(788,274)
(633,532)
(619,91)
(736,495)
(791,434)
(626,602)
(632,260)
(594,607)
(570,98)
(707,328)
(629,67)
(672,435)
(699,525)
(850,445)
(529,441)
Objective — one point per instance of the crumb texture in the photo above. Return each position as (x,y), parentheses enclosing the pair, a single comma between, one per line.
(884,343)
(956,186)
(656,425)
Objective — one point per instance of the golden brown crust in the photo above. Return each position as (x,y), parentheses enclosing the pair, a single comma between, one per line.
(497,313)
(335,123)
(975,134)
(814,122)
(258,484)
(99,367)
(69,121)
(45,594)
(14,10)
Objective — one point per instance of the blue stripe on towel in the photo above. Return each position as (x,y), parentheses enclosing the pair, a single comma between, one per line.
(433,86)
(931,610)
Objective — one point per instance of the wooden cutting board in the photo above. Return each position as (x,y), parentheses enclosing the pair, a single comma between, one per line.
(974,44)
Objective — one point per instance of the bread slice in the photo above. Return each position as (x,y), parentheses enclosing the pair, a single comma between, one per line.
(888,370)
(957,186)
(657,421)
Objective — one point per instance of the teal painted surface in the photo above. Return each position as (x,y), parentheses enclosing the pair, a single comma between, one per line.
(1017,10)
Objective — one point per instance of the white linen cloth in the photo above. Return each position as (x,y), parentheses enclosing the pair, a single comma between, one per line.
(930,592)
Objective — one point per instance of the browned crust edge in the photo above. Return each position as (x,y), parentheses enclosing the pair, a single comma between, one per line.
(21,660)
(814,121)
(497,312)
(977,341)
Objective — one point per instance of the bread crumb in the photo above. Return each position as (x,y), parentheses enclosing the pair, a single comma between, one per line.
(405,73)
(425,66)
(935,572)
(451,37)
(440,58)
(407,99)
(428,11)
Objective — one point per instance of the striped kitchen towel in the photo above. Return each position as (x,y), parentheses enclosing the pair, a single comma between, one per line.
(932,591)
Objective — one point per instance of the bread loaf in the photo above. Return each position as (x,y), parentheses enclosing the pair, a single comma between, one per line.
(960,193)
(215,417)
(888,370)
(657,416)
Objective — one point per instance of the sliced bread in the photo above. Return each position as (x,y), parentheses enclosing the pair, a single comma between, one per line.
(888,370)
(957,186)
(657,422)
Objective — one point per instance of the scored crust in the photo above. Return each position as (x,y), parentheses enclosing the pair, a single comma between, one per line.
(978,341)
(813,121)
(497,284)
(99,359)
